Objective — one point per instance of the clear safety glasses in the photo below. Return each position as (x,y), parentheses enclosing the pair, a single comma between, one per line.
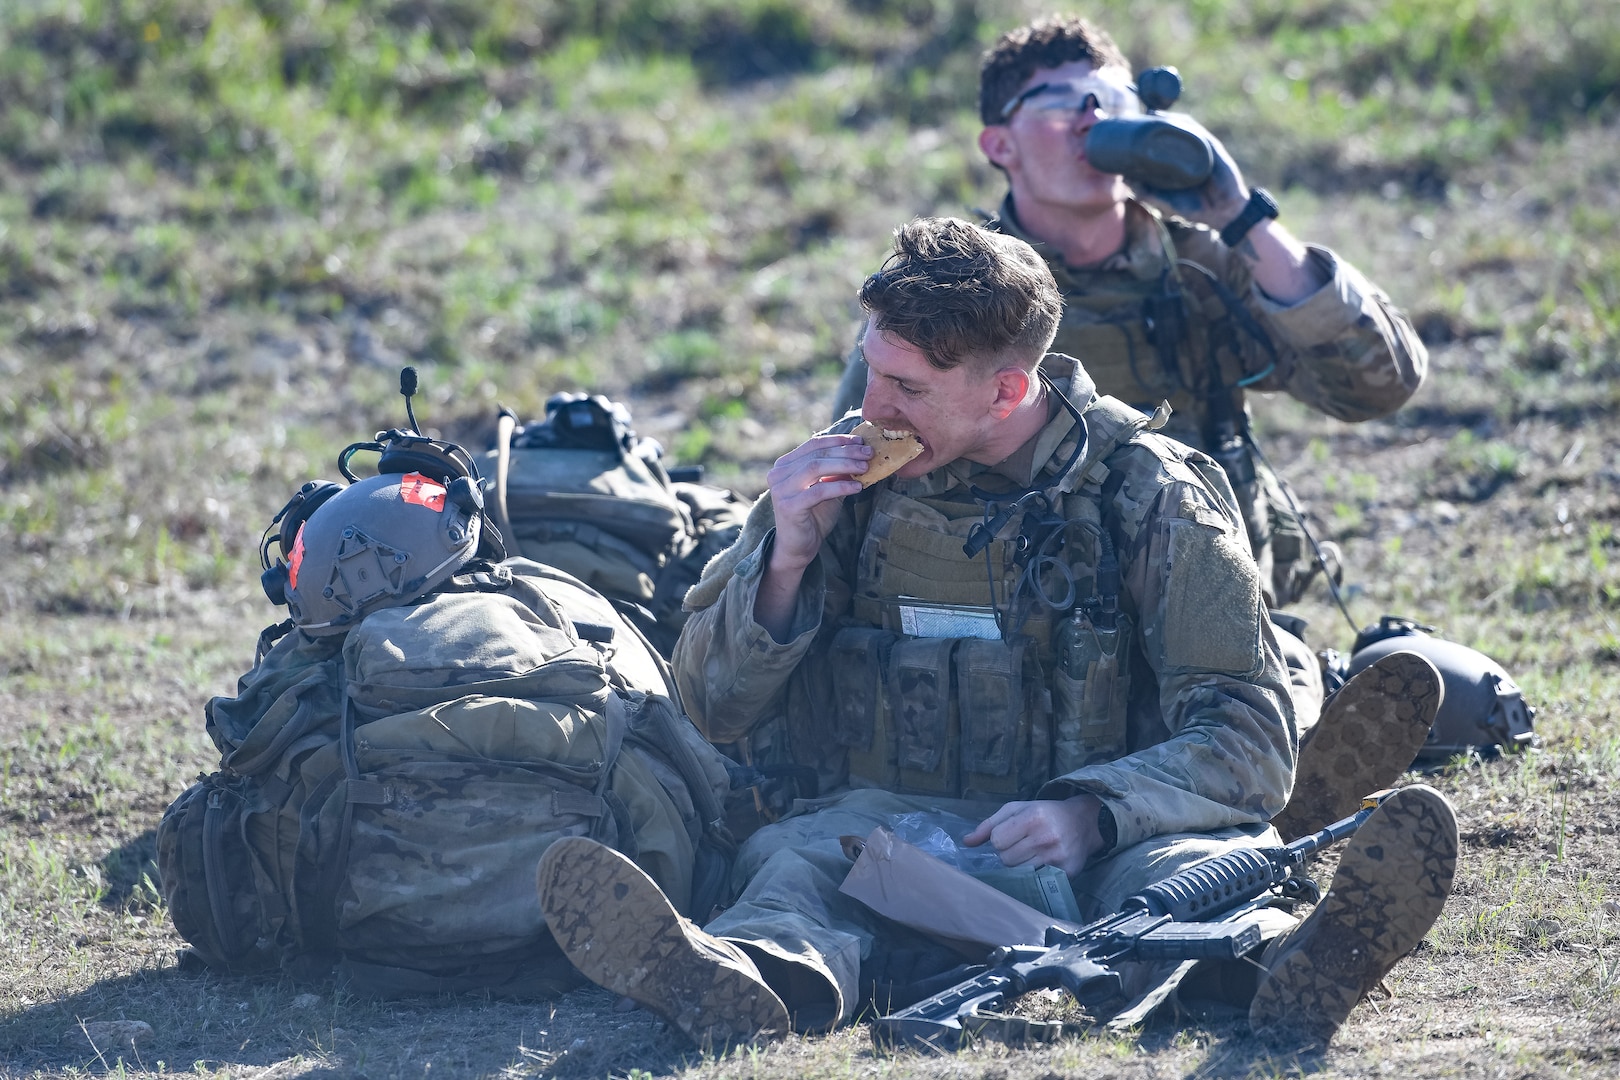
(1057,99)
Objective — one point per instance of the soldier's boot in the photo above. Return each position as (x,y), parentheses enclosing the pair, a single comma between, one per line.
(1369,734)
(1392,882)
(616,925)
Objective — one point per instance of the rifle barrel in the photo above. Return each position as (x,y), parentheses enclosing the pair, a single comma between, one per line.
(1215,886)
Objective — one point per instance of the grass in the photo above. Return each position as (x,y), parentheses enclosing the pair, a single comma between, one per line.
(224,225)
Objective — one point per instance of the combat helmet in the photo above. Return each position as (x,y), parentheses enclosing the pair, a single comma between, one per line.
(382,541)
(1483,710)
(378,541)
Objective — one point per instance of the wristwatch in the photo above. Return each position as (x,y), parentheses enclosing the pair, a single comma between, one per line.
(1259,207)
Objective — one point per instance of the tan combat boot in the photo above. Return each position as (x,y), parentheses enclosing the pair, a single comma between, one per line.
(1391,884)
(620,930)
(1369,733)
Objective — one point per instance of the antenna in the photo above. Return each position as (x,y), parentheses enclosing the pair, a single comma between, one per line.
(407,387)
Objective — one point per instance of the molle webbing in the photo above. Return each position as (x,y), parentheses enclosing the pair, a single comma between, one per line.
(953,717)
(970,716)
(913,548)
(1113,323)
(1105,328)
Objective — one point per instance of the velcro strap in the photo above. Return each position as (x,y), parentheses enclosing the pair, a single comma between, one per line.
(367,793)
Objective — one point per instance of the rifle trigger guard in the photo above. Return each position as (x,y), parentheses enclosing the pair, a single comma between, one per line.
(1301,888)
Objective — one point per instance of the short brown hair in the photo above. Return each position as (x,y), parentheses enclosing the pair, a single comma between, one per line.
(960,292)
(1044,43)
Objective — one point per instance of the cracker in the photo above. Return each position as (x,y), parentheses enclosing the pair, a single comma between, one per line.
(890,450)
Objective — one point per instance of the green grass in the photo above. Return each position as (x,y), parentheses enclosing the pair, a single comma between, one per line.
(225,224)
(313,130)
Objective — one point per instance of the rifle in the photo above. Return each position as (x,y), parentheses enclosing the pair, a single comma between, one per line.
(1167,921)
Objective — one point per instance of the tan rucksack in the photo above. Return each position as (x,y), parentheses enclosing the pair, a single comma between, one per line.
(385,795)
(582,492)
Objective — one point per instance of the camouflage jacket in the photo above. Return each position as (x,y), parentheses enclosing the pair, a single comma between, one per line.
(1212,728)
(1345,350)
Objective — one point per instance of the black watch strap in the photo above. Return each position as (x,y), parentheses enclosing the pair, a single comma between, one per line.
(1108,829)
(1259,207)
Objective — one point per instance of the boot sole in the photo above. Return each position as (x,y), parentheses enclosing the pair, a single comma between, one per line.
(1390,887)
(619,929)
(1369,734)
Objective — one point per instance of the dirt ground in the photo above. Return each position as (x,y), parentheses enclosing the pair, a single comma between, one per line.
(1488,506)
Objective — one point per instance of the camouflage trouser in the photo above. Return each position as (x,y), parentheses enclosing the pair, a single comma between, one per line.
(790,908)
(1304,678)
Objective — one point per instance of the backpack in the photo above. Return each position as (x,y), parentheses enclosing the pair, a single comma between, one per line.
(582,492)
(385,795)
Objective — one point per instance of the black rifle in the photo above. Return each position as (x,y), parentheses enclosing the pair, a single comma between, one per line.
(1166,921)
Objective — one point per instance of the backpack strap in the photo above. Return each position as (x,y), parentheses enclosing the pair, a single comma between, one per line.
(213,860)
(618,723)
(659,728)
(1110,424)
(357,792)
(666,737)
(332,874)
(268,638)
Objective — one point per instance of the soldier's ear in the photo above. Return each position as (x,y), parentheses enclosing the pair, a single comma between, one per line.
(996,142)
(1012,387)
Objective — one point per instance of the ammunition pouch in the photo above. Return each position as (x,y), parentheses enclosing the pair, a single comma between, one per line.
(952,717)
(1091,693)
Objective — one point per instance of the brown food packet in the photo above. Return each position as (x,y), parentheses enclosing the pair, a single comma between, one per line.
(903,883)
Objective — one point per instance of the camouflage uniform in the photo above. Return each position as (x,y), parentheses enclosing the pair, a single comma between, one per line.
(1205,752)
(1345,350)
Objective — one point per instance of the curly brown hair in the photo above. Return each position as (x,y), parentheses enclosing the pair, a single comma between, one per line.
(1045,43)
(959,292)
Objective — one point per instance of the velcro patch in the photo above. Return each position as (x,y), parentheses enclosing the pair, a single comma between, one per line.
(1212,607)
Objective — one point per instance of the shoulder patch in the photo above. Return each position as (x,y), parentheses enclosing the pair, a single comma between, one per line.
(1212,603)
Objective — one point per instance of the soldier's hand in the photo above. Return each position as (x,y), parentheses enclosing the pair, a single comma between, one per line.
(1061,833)
(1216,201)
(808,486)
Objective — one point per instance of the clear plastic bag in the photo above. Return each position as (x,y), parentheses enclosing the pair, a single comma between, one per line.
(1047,888)
(940,835)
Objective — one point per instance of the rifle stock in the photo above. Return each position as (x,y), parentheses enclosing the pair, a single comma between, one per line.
(1171,920)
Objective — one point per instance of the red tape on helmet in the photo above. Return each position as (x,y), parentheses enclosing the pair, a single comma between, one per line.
(418,489)
(295,558)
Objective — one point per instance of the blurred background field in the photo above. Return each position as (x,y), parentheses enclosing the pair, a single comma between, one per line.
(225,225)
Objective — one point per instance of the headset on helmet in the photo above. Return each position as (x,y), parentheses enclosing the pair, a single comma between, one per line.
(290,518)
(348,550)
(1482,710)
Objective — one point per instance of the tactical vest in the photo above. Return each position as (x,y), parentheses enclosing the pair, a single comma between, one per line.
(955,677)
(1172,337)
